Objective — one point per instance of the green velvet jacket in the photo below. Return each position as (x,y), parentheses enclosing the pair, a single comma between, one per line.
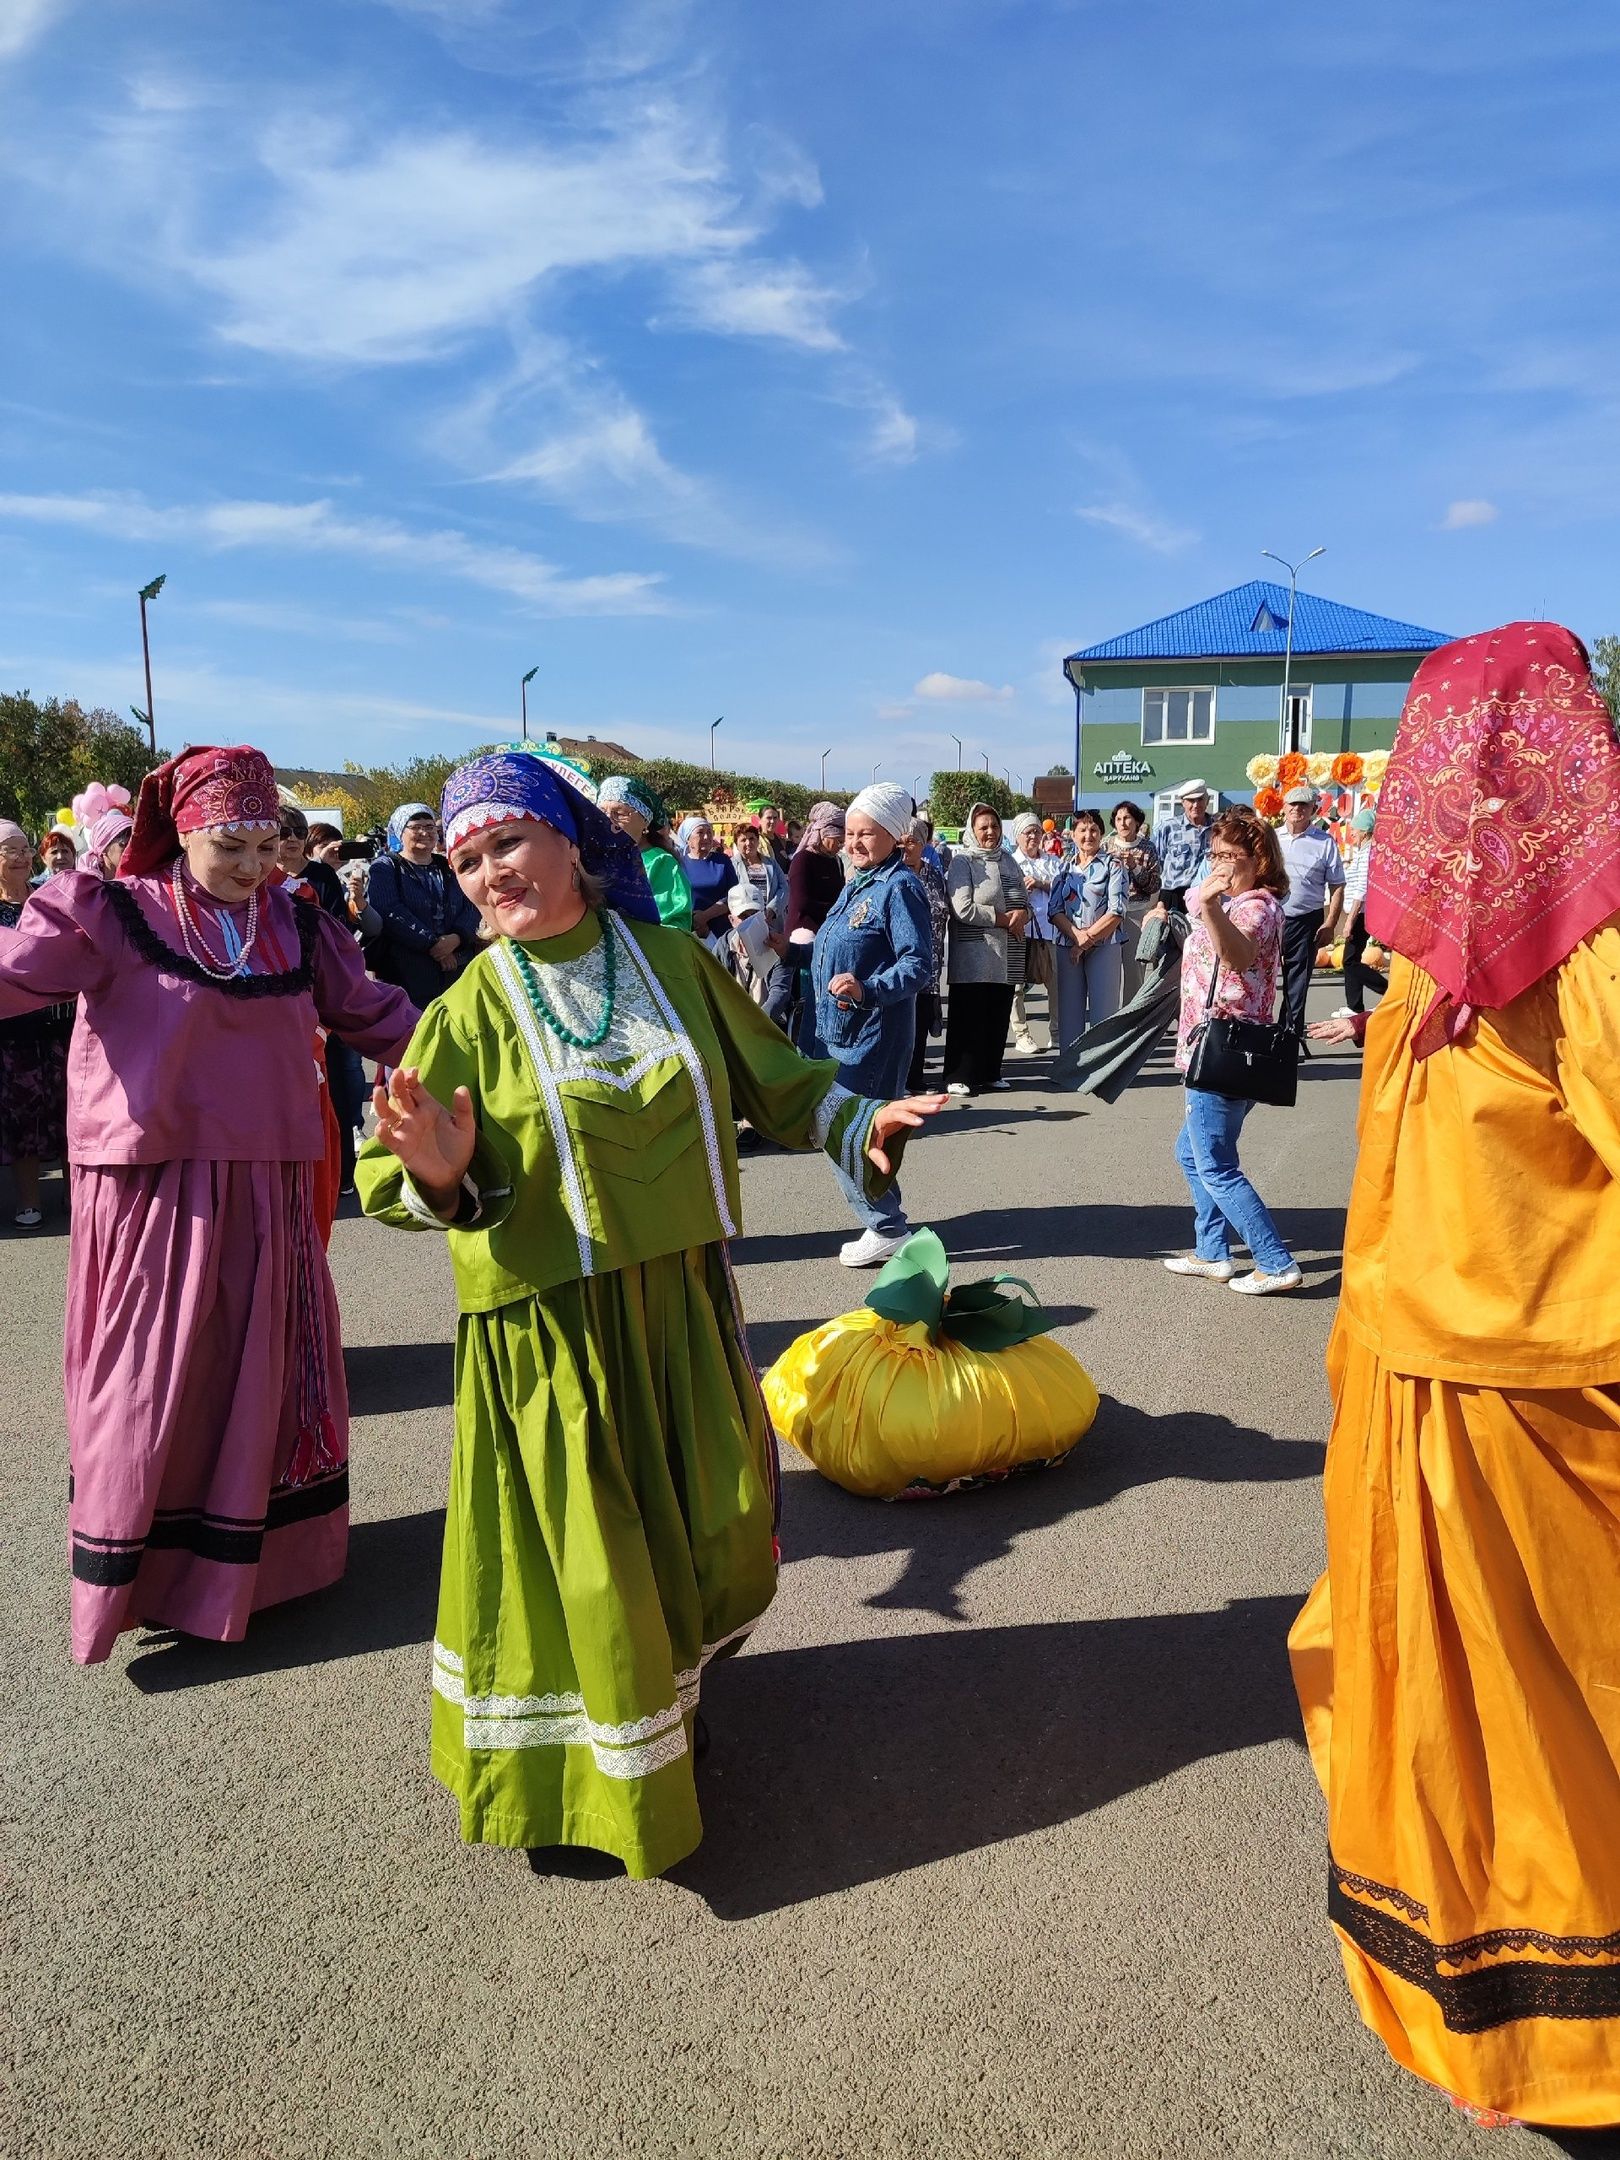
(590,1159)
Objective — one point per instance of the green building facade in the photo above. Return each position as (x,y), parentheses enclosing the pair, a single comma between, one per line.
(1199,693)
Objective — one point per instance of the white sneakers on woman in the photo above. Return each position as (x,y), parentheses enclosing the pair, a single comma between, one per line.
(1259,1284)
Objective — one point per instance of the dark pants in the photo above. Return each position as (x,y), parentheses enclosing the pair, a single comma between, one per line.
(976,1019)
(346,1083)
(1358,980)
(927,1024)
(1298,959)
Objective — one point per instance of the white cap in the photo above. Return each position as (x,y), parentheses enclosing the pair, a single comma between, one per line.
(1190,787)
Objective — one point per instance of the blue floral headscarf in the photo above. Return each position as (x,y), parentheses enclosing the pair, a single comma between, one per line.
(401,818)
(518,781)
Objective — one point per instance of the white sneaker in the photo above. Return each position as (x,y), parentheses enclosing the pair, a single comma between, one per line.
(870,1248)
(1025,1046)
(1000,1087)
(1216,1270)
(1260,1285)
(957,1087)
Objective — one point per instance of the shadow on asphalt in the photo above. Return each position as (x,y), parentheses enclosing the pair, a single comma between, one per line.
(855,1761)
(999,1237)
(389,1379)
(387,1598)
(943,1541)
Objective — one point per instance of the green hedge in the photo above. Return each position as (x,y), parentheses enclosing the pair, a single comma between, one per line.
(951,795)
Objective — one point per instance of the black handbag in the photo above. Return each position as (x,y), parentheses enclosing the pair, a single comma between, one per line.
(1245,1060)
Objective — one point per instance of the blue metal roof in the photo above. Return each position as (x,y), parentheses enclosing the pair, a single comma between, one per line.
(1251,623)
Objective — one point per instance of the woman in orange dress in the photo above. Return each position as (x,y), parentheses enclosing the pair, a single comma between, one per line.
(1459,1663)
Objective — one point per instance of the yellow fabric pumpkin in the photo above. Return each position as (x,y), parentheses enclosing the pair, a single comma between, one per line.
(886,1405)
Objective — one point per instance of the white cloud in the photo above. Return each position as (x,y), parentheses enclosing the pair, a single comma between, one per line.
(942,689)
(398,252)
(764,300)
(317,528)
(1472,510)
(25,22)
(1139,525)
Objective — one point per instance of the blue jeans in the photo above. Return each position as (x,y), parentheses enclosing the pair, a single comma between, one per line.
(1222,1197)
(886,1216)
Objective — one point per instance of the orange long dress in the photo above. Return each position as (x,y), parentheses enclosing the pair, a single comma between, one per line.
(1459,1663)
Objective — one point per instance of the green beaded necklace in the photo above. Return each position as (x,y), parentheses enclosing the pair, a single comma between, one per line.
(537,996)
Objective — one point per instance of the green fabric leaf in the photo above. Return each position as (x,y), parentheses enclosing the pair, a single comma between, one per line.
(915,1287)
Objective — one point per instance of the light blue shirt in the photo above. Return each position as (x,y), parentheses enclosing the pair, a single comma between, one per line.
(1314,868)
(1087,892)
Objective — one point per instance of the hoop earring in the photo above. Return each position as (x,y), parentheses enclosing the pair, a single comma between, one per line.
(576,877)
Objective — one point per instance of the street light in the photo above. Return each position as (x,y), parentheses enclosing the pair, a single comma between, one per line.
(958,742)
(1287,725)
(876,769)
(149,592)
(523,693)
(713,724)
(916,789)
(986,756)
(825,755)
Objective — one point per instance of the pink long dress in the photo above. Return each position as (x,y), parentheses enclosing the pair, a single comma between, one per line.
(207,1413)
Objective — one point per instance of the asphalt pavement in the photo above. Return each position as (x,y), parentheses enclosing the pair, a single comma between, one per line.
(1012,1846)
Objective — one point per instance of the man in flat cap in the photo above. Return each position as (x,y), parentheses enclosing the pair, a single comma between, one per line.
(1184,845)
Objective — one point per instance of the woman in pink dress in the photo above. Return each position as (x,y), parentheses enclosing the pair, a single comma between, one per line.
(207,1416)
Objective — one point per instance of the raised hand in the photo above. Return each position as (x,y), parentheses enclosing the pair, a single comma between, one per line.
(894,1116)
(434,1144)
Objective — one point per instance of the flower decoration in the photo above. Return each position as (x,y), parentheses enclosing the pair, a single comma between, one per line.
(1268,801)
(1319,768)
(1375,764)
(1262,771)
(1349,769)
(1292,768)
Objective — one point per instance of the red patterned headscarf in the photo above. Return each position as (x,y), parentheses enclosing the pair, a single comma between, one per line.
(195,791)
(1498,845)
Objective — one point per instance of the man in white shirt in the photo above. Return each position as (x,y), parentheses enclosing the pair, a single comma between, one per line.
(1315,898)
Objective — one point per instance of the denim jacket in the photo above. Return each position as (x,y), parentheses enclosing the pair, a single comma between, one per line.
(877,930)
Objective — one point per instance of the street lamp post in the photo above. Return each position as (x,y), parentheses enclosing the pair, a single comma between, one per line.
(825,755)
(876,769)
(916,789)
(958,742)
(523,694)
(1287,726)
(713,724)
(986,756)
(149,592)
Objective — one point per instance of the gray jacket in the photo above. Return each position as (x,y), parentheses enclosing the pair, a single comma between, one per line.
(981,887)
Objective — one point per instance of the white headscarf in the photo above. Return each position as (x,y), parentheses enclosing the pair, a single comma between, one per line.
(886,804)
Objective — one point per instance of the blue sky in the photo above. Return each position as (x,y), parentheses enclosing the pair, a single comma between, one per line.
(834,368)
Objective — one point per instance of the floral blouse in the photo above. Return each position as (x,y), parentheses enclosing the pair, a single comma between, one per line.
(1251,995)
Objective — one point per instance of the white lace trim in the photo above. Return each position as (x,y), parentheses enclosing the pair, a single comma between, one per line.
(550,1101)
(827,1111)
(631,1750)
(686,1050)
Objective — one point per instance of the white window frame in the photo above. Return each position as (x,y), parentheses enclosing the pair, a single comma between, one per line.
(1307,692)
(1189,742)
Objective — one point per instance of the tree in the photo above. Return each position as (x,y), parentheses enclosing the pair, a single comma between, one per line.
(51,751)
(951,795)
(1606,673)
(1058,772)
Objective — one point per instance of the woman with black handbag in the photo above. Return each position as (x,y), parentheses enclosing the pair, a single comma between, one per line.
(1232,1050)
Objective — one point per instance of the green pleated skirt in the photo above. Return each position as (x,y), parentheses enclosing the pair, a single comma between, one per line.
(611,1529)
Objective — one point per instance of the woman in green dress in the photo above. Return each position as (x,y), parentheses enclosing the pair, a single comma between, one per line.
(565,1112)
(637,808)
